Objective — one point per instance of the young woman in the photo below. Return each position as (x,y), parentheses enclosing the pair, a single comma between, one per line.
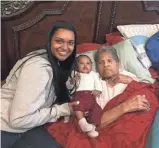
(35,92)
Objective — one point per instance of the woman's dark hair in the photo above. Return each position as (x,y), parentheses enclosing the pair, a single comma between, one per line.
(61,69)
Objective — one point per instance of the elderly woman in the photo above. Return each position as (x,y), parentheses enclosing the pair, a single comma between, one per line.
(128,110)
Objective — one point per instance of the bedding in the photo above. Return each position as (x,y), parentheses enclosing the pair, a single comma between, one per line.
(138,42)
(129,61)
(113,38)
(112,136)
(97,20)
(139,34)
(138,29)
(152,138)
(127,57)
(86,47)
(152,50)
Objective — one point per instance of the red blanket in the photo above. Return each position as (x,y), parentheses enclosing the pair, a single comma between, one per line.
(129,131)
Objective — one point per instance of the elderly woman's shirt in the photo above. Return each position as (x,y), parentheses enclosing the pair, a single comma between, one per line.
(109,93)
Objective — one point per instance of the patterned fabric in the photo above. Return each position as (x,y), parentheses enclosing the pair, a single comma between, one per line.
(140,33)
(138,43)
(138,29)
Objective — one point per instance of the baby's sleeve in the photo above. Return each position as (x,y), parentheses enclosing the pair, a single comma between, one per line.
(97,82)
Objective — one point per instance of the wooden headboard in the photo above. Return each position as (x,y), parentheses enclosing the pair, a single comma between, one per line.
(25,23)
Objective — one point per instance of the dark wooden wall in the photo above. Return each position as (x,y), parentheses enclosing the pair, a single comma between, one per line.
(27,28)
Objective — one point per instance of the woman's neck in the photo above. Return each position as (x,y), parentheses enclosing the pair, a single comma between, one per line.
(109,82)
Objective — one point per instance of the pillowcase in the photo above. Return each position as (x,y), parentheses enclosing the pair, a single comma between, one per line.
(146,30)
(84,47)
(138,43)
(138,29)
(113,38)
(129,61)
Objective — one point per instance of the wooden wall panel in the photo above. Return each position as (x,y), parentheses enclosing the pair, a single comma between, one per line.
(116,13)
(29,30)
(22,32)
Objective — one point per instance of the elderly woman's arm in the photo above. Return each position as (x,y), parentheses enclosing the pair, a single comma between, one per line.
(112,115)
(136,103)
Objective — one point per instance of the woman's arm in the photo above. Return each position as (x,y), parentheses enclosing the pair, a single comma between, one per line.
(120,78)
(112,115)
(136,103)
(29,107)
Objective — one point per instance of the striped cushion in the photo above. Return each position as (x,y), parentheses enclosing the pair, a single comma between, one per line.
(138,43)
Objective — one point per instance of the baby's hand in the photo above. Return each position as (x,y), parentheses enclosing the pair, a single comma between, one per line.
(96,93)
(77,76)
(75,79)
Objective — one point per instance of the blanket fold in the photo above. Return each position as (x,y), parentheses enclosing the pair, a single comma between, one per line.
(129,131)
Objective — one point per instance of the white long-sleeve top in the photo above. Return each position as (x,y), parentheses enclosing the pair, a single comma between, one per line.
(90,81)
(28,95)
(110,92)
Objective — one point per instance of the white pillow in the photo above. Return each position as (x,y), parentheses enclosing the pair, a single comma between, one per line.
(138,29)
(157,26)
(128,60)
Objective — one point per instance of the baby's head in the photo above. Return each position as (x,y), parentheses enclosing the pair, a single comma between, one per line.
(84,64)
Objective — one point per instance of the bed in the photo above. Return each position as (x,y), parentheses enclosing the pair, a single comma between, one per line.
(25,24)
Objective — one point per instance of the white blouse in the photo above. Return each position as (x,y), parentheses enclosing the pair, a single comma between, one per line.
(109,93)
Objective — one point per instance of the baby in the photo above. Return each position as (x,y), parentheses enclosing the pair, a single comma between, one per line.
(88,87)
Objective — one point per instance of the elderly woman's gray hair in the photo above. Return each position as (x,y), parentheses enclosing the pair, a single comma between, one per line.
(109,49)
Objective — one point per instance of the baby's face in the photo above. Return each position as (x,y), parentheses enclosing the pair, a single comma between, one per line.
(84,64)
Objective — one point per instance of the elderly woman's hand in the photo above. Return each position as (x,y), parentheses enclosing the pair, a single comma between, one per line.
(120,78)
(136,103)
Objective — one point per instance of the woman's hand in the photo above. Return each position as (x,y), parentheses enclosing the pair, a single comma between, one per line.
(71,106)
(136,103)
(120,78)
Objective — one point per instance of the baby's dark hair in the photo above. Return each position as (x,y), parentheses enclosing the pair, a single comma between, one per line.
(83,55)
